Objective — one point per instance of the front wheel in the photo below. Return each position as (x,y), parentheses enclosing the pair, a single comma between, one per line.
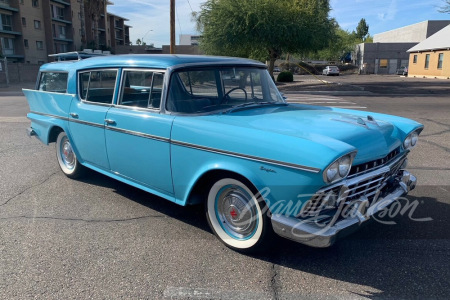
(66,157)
(236,216)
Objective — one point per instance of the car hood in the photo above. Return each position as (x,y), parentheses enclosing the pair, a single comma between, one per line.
(372,138)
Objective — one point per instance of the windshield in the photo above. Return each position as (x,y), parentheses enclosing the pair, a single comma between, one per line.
(217,89)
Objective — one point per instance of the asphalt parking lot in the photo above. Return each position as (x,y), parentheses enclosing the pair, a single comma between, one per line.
(99,238)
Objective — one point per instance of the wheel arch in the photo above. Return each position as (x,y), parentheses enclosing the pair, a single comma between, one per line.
(198,191)
(53,133)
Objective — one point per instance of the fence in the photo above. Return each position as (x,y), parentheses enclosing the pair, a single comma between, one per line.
(13,73)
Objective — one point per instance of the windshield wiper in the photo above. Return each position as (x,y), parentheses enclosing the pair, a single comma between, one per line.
(252,104)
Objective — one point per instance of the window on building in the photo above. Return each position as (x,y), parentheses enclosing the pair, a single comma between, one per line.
(6,22)
(98,86)
(57,12)
(440,60)
(427,61)
(21,2)
(24,22)
(7,46)
(62,32)
(117,23)
(41,62)
(35,3)
(53,82)
(415,59)
(80,16)
(383,63)
(81,32)
(63,48)
(39,45)
(37,24)
(25,43)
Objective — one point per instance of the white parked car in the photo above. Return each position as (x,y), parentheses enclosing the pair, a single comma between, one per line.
(331,70)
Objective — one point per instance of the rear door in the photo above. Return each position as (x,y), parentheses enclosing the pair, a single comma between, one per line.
(87,115)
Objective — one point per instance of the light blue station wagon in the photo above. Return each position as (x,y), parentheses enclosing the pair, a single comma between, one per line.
(216,131)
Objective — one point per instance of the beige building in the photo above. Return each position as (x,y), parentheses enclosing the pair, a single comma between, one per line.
(431,58)
(30,30)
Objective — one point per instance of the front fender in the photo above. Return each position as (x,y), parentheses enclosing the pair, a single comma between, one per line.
(276,183)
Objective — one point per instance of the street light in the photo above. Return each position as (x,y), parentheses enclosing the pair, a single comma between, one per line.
(142,39)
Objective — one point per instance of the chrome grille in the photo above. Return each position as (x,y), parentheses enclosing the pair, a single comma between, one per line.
(371,165)
(364,185)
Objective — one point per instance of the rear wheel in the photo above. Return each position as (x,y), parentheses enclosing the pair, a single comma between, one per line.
(66,157)
(236,217)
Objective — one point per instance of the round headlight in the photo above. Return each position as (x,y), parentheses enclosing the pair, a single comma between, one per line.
(414,138)
(407,142)
(344,165)
(332,171)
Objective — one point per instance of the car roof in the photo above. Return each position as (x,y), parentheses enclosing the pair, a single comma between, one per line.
(157,61)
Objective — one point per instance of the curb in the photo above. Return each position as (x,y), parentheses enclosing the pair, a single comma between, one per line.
(338,93)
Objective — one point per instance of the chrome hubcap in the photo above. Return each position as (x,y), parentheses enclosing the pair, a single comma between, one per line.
(67,155)
(236,214)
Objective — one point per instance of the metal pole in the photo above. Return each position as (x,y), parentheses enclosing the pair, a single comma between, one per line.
(172,26)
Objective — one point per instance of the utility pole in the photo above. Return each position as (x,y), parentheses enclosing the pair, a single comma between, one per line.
(172,26)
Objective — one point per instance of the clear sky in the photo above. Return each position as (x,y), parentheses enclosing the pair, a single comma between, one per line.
(150,18)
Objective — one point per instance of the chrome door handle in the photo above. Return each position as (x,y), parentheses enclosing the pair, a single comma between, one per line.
(74,115)
(110,122)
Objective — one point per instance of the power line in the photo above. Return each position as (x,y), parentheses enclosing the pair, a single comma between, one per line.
(190,6)
(178,18)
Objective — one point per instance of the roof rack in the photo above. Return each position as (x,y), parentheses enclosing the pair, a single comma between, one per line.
(78,55)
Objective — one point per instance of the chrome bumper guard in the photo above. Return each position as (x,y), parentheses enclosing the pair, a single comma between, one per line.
(31,132)
(312,234)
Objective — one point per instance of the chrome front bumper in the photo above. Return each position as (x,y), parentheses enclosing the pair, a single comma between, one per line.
(320,235)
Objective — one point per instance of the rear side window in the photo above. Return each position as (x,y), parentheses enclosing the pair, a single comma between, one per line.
(55,82)
(98,86)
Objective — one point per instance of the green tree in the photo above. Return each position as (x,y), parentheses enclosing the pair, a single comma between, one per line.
(138,42)
(362,30)
(263,29)
(446,7)
(340,43)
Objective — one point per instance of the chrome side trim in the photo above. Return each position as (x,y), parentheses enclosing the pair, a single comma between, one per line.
(139,134)
(250,157)
(48,115)
(188,145)
(87,123)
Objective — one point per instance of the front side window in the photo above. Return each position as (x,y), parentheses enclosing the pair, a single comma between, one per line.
(415,59)
(98,86)
(141,88)
(215,89)
(53,82)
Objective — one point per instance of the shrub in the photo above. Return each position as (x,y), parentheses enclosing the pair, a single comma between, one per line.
(285,76)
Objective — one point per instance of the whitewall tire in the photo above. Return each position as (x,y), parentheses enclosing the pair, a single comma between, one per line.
(66,157)
(235,215)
